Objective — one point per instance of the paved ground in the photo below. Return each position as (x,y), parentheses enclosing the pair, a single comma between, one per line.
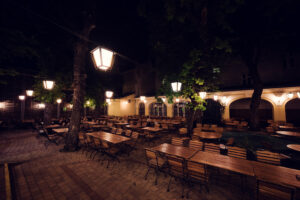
(45,173)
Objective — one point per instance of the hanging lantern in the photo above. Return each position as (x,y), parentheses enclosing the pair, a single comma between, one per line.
(58,101)
(202,95)
(48,85)
(22,97)
(176,86)
(109,94)
(103,58)
(29,93)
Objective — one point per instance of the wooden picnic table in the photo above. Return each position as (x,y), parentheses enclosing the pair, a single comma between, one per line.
(295,147)
(289,133)
(109,137)
(152,129)
(53,126)
(276,174)
(209,135)
(60,130)
(134,127)
(183,152)
(224,162)
(121,124)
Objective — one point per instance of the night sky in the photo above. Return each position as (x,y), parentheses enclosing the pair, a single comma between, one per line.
(49,27)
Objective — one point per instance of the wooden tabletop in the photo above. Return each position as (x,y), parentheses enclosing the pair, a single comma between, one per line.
(209,135)
(152,129)
(89,122)
(53,126)
(133,126)
(108,137)
(289,133)
(60,130)
(224,162)
(276,174)
(121,123)
(183,152)
(98,126)
(295,147)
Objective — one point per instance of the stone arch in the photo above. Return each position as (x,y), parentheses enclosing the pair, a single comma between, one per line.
(292,110)
(158,109)
(240,109)
(141,109)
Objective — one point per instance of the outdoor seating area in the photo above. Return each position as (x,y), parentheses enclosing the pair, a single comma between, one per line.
(150,100)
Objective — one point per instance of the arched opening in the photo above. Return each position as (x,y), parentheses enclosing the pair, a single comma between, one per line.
(141,109)
(213,112)
(240,110)
(292,111)
(179,109)
(158,109)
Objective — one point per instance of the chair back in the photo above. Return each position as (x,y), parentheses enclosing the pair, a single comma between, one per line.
(177,141)
(113,130)
(267,190)
(183,131)
(268,157)
(197,145)
(128,133)
(135,135)
(150,156)
(119,131)
(176,166)
(212,148)
(197,171)
(237,152)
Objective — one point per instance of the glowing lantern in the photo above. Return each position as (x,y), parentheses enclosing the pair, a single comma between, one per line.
(298,94)
(48,85)
(202,95)
(103,58)
(22,97)
(58,101)
(109,94)
(176,86)
(29,93)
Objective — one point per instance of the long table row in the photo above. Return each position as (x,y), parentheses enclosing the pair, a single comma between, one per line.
(263,172)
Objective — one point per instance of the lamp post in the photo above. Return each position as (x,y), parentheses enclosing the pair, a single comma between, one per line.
(22,99)
(48,85)
(29,93)
(58,101)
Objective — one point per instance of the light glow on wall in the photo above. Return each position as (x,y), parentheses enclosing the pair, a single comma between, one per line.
(2,105)
(278,100)
(142,98)
(298,94)
(202,95)
(163,99)
(58,101)
(216,97)
(177,100)
(290,95)
(41,106)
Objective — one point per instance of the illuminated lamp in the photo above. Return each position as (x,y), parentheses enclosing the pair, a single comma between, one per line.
(176,86)
(48,85)
(29,93)
(102,58)
(109,94)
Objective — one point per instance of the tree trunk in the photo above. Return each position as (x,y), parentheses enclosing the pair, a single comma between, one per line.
(71,141)
(251,57)
(256,98)
(192,116)
(48,113)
